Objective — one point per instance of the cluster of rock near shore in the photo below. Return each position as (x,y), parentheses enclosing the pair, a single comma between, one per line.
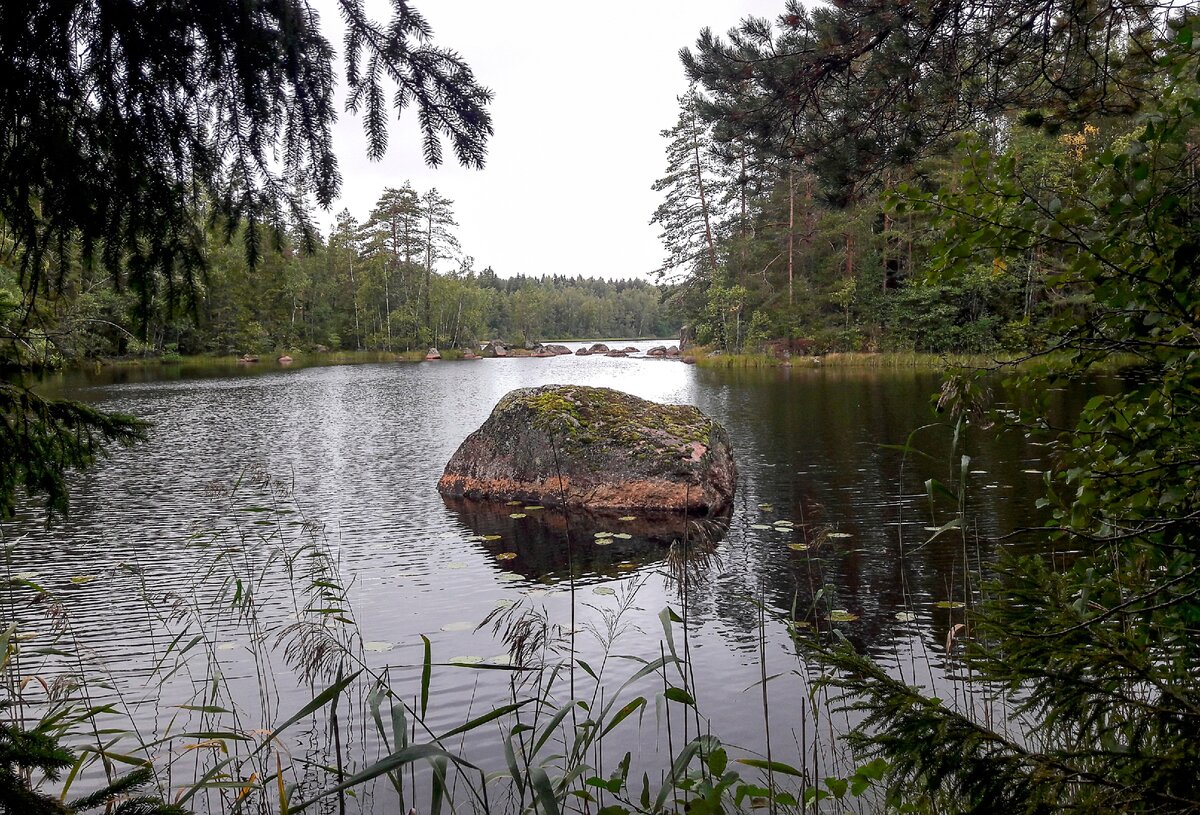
(497,349)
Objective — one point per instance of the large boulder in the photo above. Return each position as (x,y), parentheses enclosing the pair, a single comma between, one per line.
(595,448)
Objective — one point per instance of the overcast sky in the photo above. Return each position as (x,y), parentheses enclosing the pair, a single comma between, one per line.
(582,92)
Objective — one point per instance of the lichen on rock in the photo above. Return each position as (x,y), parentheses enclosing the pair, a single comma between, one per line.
(597,448)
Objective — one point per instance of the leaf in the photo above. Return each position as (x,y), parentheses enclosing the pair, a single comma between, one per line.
(679,695)
(395,761)
(950,604)
(506,556)
(465,660)
(603,590)
(517,515)
(624,713)
(462,625)
(773,766)
(839,615)
(378,647)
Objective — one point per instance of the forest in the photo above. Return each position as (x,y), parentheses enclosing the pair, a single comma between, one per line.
(399,281)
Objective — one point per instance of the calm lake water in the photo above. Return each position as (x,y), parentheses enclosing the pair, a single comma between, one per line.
(359,448)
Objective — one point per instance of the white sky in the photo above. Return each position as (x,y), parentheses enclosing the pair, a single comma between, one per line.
(582,91)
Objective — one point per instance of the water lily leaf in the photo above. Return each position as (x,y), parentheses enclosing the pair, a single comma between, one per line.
(378,647)
(505,602)
(840,615)
(799,547)
(459,626)
(506,556)
(801,624)
(627,518)
(623,536)
(465,660)
(509,577)
(785,523)
(950,604)
(27,575)
(80,579)
(1032,472)
(492,537)
(905,616)
(760,526)
(626,565)
(536,593)
(532,508)
(608,541)
(513,504)
(500,659)
(837,534)
(456,565)
(517,515)
(603,590)
(765,506)
(227,646)
(603,535)
(477,538)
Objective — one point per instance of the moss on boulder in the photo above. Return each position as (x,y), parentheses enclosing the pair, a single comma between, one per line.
(596,448)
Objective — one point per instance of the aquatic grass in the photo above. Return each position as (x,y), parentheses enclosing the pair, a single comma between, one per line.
(218,750)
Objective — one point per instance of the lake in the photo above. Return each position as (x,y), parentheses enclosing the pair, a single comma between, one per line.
(242,463)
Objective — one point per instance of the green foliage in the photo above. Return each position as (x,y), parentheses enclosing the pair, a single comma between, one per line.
(1095,653)
(43,439)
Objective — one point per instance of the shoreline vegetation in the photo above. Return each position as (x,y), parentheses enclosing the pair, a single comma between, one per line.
(702,357)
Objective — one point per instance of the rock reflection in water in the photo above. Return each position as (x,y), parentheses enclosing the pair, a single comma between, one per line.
(605,544)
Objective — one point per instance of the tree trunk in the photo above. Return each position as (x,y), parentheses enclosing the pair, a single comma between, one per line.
(791,237)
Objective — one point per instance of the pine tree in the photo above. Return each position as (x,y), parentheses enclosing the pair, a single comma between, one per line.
(688,212)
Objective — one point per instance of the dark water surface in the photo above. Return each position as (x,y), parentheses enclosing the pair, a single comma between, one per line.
(360,449)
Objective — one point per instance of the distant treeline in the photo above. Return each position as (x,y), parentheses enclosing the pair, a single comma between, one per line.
(399,281)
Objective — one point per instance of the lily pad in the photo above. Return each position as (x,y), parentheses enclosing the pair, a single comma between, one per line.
(1032,472)
(765,506)
(505,602)
(506,556)
(760,526)
(627,518)
(950,604)
(227,646)
(500,659)
(626,565)
(623,536)
(378,647)
(799,547)
(517,515)
(509,577)
(492,537)
(533,508)
(837,534)
(608,541)
(465,660)
(536,593)
(906,616)
(603,590)
(603,535)
(456,565)
(27,575)
(80,579)
(459,626)
(840,615)
(513,504)
(785,523)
